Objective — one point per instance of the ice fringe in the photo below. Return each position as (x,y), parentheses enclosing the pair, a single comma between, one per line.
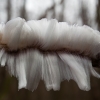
(46,50)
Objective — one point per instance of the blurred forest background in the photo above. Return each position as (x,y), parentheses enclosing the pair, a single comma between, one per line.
(72,11)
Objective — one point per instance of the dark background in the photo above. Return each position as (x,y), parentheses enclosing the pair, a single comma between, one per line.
(72,11)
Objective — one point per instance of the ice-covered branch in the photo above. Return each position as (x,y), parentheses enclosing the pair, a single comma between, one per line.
(49,50)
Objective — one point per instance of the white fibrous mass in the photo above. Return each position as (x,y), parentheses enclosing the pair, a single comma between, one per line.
(48,50)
